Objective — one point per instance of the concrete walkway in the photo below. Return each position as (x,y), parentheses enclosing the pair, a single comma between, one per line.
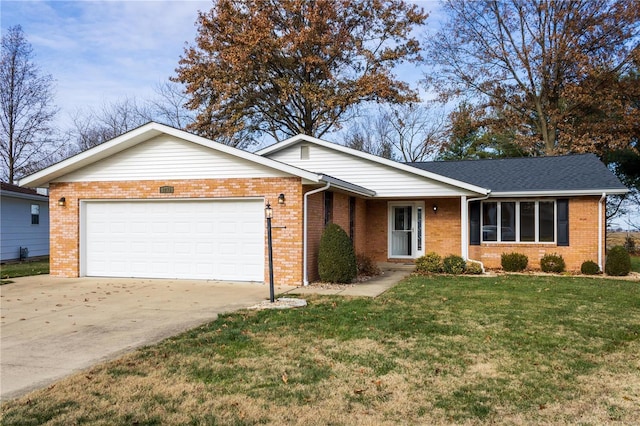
(53,327)
(391,275)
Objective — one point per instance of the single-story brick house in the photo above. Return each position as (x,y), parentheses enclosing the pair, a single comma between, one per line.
(159,202)
(24,223)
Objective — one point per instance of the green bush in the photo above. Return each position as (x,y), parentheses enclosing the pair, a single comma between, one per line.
(430,263)
(514,262)
(589,267)
(552,263)
(618,262)
(473,268)
(366,266)
(336,259)
(453,264)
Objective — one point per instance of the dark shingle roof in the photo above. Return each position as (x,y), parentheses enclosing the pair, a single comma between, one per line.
(529,174)
(15,188)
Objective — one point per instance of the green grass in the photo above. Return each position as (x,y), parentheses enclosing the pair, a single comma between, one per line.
(23,269)
(635,263)
(432,350)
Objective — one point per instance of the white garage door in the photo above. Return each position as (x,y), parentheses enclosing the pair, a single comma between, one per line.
(174,239)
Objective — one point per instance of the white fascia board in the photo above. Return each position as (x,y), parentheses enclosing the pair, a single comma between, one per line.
(414,170)
(569,193)
(346,186)
(144,133)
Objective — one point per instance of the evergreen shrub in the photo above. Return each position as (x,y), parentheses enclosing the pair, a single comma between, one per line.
(552,263)
(473,268)
(453,264)
(336,259)
(514,262)
(618,262)
(430,263)
(589,267)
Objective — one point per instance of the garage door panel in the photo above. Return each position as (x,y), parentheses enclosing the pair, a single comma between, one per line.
(176,239)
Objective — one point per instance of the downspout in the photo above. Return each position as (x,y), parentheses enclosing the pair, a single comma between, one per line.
(466,243)
(305,277)
(600,233)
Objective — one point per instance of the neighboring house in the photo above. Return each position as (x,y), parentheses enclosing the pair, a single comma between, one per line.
(160,202)
(24,223)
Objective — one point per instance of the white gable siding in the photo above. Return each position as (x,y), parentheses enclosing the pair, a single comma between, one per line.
(385,180)
(168,157)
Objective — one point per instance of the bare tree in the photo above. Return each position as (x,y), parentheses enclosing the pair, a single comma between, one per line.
(27,109)
(93,127)
(169,106)
(370,134)
(551,67)
(415,130)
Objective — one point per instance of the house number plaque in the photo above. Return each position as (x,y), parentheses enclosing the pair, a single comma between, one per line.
(166,189)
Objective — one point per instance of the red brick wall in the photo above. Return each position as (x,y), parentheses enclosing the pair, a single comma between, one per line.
(361,238)
(287,243)
(443,227)
(376,230)
(583,240)
(315,226)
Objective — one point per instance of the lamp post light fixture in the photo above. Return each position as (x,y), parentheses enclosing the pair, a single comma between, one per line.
(268,214)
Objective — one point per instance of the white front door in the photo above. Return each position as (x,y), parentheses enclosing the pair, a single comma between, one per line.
(406,229)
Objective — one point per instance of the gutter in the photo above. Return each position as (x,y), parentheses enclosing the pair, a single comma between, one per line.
(600,233)
(465,254)
(305,243)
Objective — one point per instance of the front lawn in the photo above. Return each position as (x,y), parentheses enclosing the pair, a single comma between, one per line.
(23,269)
(635,263)
(441,350)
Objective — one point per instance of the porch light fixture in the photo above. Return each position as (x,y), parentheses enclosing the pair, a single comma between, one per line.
(268,214)
(62,201)
(281,199)
(435,208)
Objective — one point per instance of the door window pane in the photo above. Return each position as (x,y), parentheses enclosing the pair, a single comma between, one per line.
(401,235)
(546,224)
(490,221)
(508,221)
(527,221)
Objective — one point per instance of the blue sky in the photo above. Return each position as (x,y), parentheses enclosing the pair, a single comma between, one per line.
(104,51)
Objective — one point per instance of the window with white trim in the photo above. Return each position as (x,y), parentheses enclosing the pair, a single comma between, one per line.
(519,221)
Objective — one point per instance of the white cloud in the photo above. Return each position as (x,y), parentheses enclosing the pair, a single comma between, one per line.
(102,51)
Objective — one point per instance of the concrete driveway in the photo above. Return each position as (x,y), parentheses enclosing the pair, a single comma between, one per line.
(53,327)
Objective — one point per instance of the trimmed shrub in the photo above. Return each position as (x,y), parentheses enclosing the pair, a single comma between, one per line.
(336,259)
(552,263)
(366,266)
(618,262)
(430,263)
(453,264)
(514,262)
(589,267)
(473,268)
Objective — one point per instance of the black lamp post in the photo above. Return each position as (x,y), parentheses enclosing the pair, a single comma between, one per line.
(268,213)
